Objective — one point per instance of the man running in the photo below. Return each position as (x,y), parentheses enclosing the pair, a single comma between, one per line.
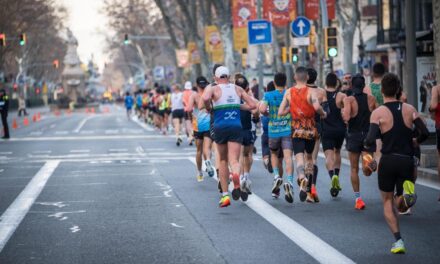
(177,111)
(188,115)
(128,104)
(322,97)
(201,121)
(333,132)
(357,111)
(394,122)
(434,108)
(279,137)
(225,98)
(304,103)
(265,151)
(161,108)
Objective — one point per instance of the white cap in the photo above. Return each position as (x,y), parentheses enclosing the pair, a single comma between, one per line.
(221,71)
(188,86)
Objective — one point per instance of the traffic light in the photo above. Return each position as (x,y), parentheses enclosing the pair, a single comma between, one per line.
(56,64)
(294,54)
(2,39)
(126,39)
(22,39)
(331,42)
(284,55)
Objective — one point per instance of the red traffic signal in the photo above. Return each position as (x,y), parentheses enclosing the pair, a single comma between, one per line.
(56,64)
(2,39)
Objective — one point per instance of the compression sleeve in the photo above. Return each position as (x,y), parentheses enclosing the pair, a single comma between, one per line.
(423,132)
(373,133)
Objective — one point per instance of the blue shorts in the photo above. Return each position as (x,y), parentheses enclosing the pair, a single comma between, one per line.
(248,138)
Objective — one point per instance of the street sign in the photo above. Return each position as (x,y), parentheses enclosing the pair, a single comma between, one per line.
(159,73)
(259,32)
(301,27)
(302,41)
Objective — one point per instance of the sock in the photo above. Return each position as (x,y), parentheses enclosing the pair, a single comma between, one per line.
(290,179)
(276,173)
(200,172)
(246,175)
(315,174)
(357,195)
(397,236)
(225,193)
(331,173)
(337,171)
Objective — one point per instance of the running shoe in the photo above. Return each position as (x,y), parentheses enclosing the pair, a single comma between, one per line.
(245,185)
(179,141)
(277,182)
(276,195)
(209,168)
(369,164)
(407,212)
(248,186)
(303,188)
(398,247)
(191,142)
(236,193)
(225,201)
(409,194)
(200,177)
(243,192)
(359,205)
(314,194)
(310,198)
(288,192)
(335,188)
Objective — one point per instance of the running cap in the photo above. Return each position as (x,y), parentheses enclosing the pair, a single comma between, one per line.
(188,86)
(202,82)
(221,72)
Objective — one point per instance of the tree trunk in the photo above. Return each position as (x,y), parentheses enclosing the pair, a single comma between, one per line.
(347,25)
(228,45)
(436,25)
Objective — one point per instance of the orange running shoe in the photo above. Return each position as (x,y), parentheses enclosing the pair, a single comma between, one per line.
(314,194)
(369,164)
(359,205)
(225,201)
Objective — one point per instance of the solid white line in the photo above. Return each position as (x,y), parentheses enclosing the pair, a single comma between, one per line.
(82,123)
(15,213)
(80,151)
(61,132)
(306,240)
(87,138)
(42,151)
(5,153)
(118,150)
(143,125)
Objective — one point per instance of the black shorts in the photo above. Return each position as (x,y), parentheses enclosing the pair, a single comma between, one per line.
(390,176)
(161,113)
(248,138)
(168,111)
(188,115)
(301,145)
(438,139)
(332,141)
(178,113)
(201,135)
(265,144)
(355,143)
(223,136)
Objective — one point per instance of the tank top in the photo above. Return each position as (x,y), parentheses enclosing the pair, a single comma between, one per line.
(361,122)
(398,140)
(333,123)
(376,92)
(163,104)
(437,116)
(246,119)
(303,114)
(202,119)
(186,96)
(176,101)
(227,108)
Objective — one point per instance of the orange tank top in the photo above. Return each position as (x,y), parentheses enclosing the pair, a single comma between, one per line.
(299,106)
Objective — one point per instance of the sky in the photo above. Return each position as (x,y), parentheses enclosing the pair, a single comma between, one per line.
(88,25)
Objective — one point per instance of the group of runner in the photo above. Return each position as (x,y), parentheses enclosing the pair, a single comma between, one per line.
(374,121)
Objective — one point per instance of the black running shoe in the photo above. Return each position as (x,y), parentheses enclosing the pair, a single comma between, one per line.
(236,194)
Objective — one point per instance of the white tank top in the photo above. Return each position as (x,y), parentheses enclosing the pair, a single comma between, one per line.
(176,101)
(229,96)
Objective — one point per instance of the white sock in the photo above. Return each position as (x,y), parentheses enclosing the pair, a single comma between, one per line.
(246,175)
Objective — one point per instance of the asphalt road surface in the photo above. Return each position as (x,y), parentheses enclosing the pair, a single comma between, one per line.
(99,188)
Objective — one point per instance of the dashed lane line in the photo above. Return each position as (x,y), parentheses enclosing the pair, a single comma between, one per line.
(82,123)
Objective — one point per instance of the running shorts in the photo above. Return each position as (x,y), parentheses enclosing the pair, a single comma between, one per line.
(168,111)
(223,136)
(355,143)
(280,143)
(178,113)
(390,176)
(333,141)
(161,113)
(248,138)
(188,115)
(201,134)
(301,145)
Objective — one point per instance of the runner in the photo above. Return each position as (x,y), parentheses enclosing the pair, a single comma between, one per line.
(265,151)
(128,104)
(246,158)
(333,132)
(177,111)
(357,111)
(201,121)
(225,98)
(322,97)
(188,115)
(161,106)
(279,137)
(139,109)
(393,122)
(304,103)
(145,106)
(434,108)
(167,97)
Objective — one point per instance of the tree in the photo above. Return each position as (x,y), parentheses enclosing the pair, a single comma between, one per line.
(348,17)
(436,25)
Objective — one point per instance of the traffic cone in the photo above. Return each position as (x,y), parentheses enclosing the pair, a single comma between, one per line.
(14,124)
(87,110)
(34,118)
(92,110)
(25,121)
(38,116)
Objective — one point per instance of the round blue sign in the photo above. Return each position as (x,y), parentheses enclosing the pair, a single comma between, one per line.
(301,27)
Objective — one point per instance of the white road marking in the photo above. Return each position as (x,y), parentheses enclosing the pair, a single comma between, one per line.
(36,133)
(140,151)
(87,132)
(176,225)
(141,124)
(80,151)
(82,123)
(68,138)
(61,215)
(42,151)
(56,204)
(15,213)
(2,170)
(111,131)
(5,153)
(75,229)
(61,132)
(306,240)
(166,188)
(118,150)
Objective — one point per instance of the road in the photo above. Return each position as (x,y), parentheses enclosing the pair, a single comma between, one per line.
(99,188)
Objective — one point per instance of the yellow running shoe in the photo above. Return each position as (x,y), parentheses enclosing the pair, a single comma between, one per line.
(398,247)
(409,193)
(199,178)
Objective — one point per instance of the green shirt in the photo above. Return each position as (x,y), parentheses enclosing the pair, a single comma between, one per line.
(376,92)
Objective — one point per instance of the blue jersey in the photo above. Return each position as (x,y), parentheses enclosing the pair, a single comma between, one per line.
(129,102)
(227,108)
(201,120)
(139,100)
(279,126)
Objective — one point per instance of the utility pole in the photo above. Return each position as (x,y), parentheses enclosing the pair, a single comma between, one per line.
(322,56)
(260,59)
(300,9)
(411,53)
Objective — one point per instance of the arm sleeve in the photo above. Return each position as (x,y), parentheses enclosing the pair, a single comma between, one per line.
(422,131)
(373,133)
